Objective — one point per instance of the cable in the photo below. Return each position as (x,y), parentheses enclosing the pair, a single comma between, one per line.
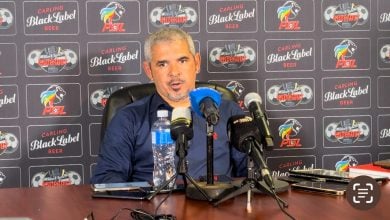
(165,198)
(119,212)
(282,208)
(140,214)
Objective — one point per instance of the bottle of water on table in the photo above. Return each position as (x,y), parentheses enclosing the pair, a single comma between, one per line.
(163,150)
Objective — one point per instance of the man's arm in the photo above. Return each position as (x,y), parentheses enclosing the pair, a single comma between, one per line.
(114,163)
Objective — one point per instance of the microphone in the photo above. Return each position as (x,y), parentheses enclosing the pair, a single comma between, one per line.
(252,102)
(181,124)
(244,136)
(205,102)
(181,132)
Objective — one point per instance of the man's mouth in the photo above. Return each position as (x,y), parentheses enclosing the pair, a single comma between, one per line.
(176,85)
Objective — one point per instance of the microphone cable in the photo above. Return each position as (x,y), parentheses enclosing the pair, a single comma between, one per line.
(162,201)
(140,214)
(281,205)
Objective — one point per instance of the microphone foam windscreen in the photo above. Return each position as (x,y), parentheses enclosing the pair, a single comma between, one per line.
(241,127)
(251,97)
(198,94)
(181,112)
(181,123)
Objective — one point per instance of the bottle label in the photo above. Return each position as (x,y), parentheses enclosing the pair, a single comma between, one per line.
(162,137)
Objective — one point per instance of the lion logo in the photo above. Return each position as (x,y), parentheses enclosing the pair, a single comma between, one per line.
(53,95)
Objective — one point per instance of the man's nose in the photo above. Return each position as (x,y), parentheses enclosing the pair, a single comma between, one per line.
(174,70)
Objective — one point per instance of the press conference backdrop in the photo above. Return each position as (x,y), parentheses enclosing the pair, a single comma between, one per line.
(321,68)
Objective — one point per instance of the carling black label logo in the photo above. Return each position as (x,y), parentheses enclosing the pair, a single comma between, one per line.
(346,92)
(53,100)
(281,165)
(347,131)
(289,55)
(346,16)
(384,130)
(9,103)
(51,17)
(383,15)
(114,58)
(9,143)
(49,141)
(289,94)
(232,56)
(53,59)
(239,87)
(8,60)
(57,176)
(7,100)
(7,18)
(348,54)
(237,16)
(174,14)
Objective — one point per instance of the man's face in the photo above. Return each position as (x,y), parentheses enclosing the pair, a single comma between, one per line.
(173,69)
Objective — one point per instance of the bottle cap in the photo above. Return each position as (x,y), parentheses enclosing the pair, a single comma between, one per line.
(162,113)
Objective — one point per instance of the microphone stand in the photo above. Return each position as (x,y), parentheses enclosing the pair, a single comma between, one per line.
(210,154)
(214,190)
(250,183)
(182,169)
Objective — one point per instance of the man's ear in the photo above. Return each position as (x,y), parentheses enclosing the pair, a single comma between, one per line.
(197,62)
(148,70)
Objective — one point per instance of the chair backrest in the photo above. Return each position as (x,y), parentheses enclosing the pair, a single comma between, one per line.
(132,93)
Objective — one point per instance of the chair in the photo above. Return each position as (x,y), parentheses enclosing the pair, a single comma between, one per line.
(132,93)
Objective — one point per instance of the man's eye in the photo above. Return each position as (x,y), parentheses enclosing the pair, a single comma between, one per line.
(161,64)
(183,61)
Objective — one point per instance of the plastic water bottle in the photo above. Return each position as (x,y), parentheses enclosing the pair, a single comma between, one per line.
(163,150)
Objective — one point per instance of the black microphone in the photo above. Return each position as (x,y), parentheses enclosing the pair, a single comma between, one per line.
(245,136)
(205,102)
(252,102)
(181,133)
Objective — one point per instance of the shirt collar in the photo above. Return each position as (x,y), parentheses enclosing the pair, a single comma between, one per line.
(157,102)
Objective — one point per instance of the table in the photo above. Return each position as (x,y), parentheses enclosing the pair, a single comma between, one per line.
(75,202)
